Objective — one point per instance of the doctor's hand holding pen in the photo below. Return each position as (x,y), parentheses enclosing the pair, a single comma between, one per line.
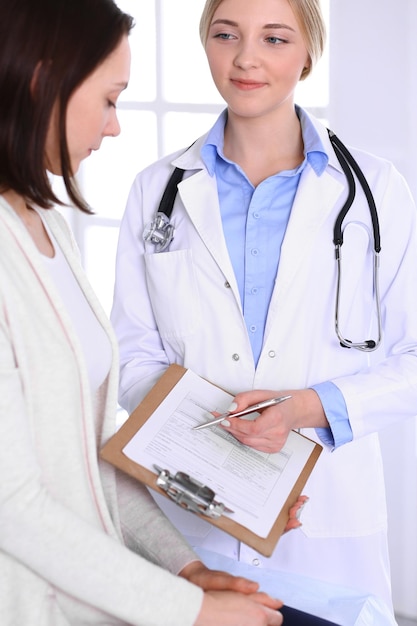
(269,431)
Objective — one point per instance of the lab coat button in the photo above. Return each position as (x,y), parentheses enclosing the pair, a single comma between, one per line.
(227,284)
(272,354)
(256,562)
(236,357)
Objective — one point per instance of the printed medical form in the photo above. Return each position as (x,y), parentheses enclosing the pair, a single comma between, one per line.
(254,485)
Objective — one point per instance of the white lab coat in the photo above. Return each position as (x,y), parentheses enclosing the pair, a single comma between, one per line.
(183,306)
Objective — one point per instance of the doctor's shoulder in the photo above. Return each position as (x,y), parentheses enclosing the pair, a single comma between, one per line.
(384,178)
(187,157)
(148,187)
(376,168)
(158,171)
(150,184)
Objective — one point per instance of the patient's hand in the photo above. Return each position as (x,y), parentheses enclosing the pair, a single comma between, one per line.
(213,580)
(295,513)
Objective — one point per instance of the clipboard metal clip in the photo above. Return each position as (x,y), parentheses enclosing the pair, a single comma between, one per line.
(190,494)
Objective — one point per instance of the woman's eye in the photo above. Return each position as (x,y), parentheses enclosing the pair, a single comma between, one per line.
(225,36)
(275,40)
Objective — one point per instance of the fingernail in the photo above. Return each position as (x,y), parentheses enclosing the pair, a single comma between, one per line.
(225,423)
(300,510)
(232,407)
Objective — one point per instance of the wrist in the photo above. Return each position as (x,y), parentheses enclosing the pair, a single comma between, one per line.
(309,410)
(191,569)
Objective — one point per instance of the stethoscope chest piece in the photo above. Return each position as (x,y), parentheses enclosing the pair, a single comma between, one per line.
(159,232)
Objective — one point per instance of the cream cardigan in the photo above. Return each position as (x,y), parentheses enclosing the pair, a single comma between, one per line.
(73,548)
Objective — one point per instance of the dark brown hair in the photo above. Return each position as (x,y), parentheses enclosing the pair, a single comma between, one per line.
(60,42)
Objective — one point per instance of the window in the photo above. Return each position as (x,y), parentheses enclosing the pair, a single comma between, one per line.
(170,101)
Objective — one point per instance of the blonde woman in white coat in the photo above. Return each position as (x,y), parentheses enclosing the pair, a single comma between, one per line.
(245,293)
(79,544)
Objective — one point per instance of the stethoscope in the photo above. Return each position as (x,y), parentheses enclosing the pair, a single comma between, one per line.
(350,166)
(160,232)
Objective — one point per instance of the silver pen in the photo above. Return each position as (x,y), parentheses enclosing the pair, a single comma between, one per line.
(249,409)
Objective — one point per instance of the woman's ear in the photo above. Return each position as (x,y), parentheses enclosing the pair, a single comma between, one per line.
(306,71)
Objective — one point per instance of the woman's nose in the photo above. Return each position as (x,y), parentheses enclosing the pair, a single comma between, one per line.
(112,128)
(247,56)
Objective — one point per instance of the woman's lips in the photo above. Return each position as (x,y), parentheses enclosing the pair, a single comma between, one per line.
(246,85)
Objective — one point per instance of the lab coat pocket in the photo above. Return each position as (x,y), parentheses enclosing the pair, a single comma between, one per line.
(173,291)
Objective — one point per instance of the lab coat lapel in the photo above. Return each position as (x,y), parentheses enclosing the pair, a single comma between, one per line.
(315,199)
(199,196)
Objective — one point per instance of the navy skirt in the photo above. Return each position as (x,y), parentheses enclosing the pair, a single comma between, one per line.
(294,617)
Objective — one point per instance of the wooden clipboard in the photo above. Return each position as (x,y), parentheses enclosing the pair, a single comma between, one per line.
(112,452)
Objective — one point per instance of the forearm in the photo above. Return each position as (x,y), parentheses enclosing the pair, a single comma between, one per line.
(307,410)
(147,530)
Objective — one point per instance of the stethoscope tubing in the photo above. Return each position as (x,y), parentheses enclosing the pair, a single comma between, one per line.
(346,159)
(368,345)
(349,166)
(160,232)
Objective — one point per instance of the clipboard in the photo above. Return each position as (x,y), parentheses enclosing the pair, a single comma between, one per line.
(113,453)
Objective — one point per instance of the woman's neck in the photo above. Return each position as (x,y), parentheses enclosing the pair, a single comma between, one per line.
(263,149)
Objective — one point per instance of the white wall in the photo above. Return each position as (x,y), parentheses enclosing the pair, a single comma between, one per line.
(373,78)
(373,105)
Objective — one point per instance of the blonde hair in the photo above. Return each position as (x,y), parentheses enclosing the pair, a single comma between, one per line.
(308,14)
